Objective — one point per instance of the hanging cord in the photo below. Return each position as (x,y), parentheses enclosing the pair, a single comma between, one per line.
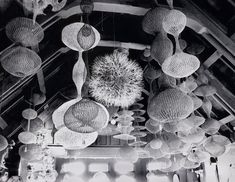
(170,3)
(114,33)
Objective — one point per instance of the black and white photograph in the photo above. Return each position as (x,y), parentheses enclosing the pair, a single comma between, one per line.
(117,90)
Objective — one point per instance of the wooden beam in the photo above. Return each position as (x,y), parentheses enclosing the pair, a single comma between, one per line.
(127,45)
(3,123)
(224,96)
(212,59)
(214,30)
(227,119)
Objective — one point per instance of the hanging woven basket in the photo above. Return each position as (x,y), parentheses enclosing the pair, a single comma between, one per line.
(86,116)
(3,143)
(180,65)
(152,21)
(170,105)
(24,31)
(174,22)
(20,61)
(73,38)
(73,140)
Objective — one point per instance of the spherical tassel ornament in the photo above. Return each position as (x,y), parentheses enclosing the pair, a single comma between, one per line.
(116,80)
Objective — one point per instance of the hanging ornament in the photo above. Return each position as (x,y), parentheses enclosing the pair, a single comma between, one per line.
(183,44)
(198,156)
(156,143)
(154,153)
(20,61)
(86,37)
(187,164)
(125,117)
(165,81)
(139,119)
(180,64)
(188,86)
(171,127)
(197,103)
(170,105)
(58,114)
(174,22)
(27,137)
(137,144)
(207,106)
(194,135)
(216,145)
(171,143)
(139,134)
(202,78)
(38,98)
(29,114)
(3,143)
(87,6)
(158,164)
(153,128)
(116,80)
(170,3)
(190,122)
(86,116)
(31,152)
(161,48)
(22,30)
(38,6)
(15,179)
(151,73)
(71,35)
(124,136)
(205,90)
(73,140)
(177,163)
(152,21)
(128,153)
(211,126)
(4,5)
(195,49)
(110,130)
